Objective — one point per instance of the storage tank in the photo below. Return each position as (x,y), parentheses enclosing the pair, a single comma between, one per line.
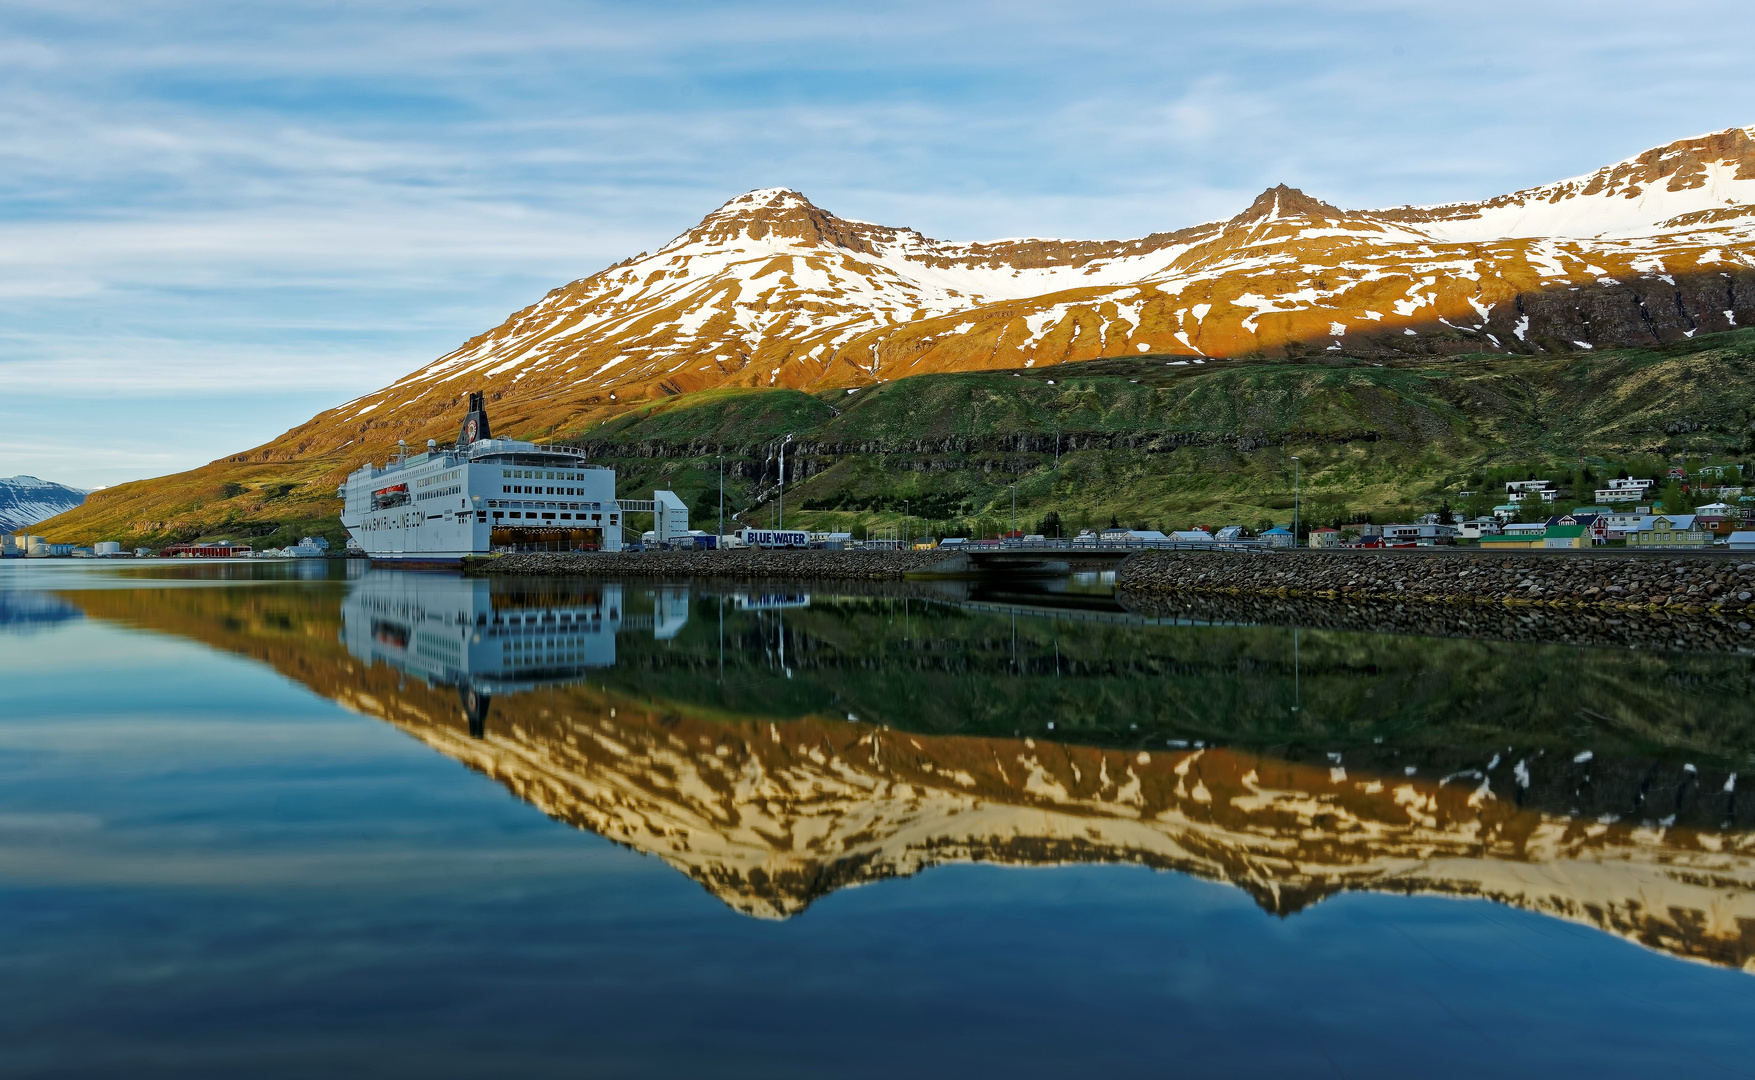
(108,547)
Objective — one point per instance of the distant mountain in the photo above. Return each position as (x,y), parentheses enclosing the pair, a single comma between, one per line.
(25,500)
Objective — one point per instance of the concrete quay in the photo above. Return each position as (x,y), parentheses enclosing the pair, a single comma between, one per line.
(745,564)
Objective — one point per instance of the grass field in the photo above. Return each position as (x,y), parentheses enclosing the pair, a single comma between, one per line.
(1140,440)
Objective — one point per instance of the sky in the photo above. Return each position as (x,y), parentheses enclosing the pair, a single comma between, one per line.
(218,220)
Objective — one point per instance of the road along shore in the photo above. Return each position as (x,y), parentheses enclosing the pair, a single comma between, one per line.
(745,564)
(1675,583)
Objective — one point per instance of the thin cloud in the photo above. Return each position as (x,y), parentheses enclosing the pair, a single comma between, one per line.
(339,194)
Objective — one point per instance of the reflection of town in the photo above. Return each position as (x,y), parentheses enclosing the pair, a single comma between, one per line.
(771,811)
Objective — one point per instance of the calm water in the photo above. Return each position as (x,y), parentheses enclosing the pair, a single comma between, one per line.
(305,820)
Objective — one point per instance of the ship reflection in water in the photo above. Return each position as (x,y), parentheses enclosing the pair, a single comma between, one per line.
(458,632)
(781,745)
(778,742)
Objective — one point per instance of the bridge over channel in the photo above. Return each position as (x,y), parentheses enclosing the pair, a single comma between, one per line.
(1058,557)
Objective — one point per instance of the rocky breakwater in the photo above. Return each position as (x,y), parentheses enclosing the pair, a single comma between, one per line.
(746,564)
(1697,602)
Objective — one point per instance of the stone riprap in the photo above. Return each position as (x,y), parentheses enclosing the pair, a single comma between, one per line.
(1672,629)
(743,564)
(1614,583)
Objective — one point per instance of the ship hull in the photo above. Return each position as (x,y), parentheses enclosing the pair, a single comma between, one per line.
(439,508)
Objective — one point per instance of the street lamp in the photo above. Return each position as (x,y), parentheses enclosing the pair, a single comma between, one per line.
(907,527)
(1295,478)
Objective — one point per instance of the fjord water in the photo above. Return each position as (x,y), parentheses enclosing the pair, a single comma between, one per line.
(307,818)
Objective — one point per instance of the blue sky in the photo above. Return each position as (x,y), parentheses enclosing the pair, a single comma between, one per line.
(217,220)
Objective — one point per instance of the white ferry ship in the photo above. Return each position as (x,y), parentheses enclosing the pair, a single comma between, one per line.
(482,495)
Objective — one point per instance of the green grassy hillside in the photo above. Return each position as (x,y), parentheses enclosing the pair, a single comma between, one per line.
(1140,440)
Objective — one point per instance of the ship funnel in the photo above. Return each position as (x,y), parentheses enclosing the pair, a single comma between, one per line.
(475,422)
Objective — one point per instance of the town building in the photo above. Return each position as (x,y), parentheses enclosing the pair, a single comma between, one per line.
(1422,534)
(1517,491)
(1617,524)
(1513,541)
(1595,527)
(1719,525)
(1325,538)
(1475,528)
(1279,538)
(1624,490)
(1667,531)
(1566,536)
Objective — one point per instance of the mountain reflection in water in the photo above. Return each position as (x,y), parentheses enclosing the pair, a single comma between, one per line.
(775,743)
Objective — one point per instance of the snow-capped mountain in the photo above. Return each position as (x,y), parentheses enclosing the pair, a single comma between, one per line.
(770,290)
(25,500)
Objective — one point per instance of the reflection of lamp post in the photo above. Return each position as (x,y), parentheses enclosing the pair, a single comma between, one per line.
(1295,478)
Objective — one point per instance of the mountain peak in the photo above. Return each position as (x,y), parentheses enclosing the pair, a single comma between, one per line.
(776,215)
(1282,201)
(764,199)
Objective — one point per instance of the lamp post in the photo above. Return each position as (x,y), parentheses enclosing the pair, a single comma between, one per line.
(1296,468)
(907,527)
(721,507)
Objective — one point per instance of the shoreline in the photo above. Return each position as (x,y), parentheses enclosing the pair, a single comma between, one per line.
(1607,583)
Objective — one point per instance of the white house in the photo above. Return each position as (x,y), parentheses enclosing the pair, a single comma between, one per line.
(1624,490)
(1616,526)
(1475,528)
(1517,491)
(1421,534)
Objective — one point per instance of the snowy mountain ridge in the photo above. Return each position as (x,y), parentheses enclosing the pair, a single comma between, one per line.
(26,500)
(770,290)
